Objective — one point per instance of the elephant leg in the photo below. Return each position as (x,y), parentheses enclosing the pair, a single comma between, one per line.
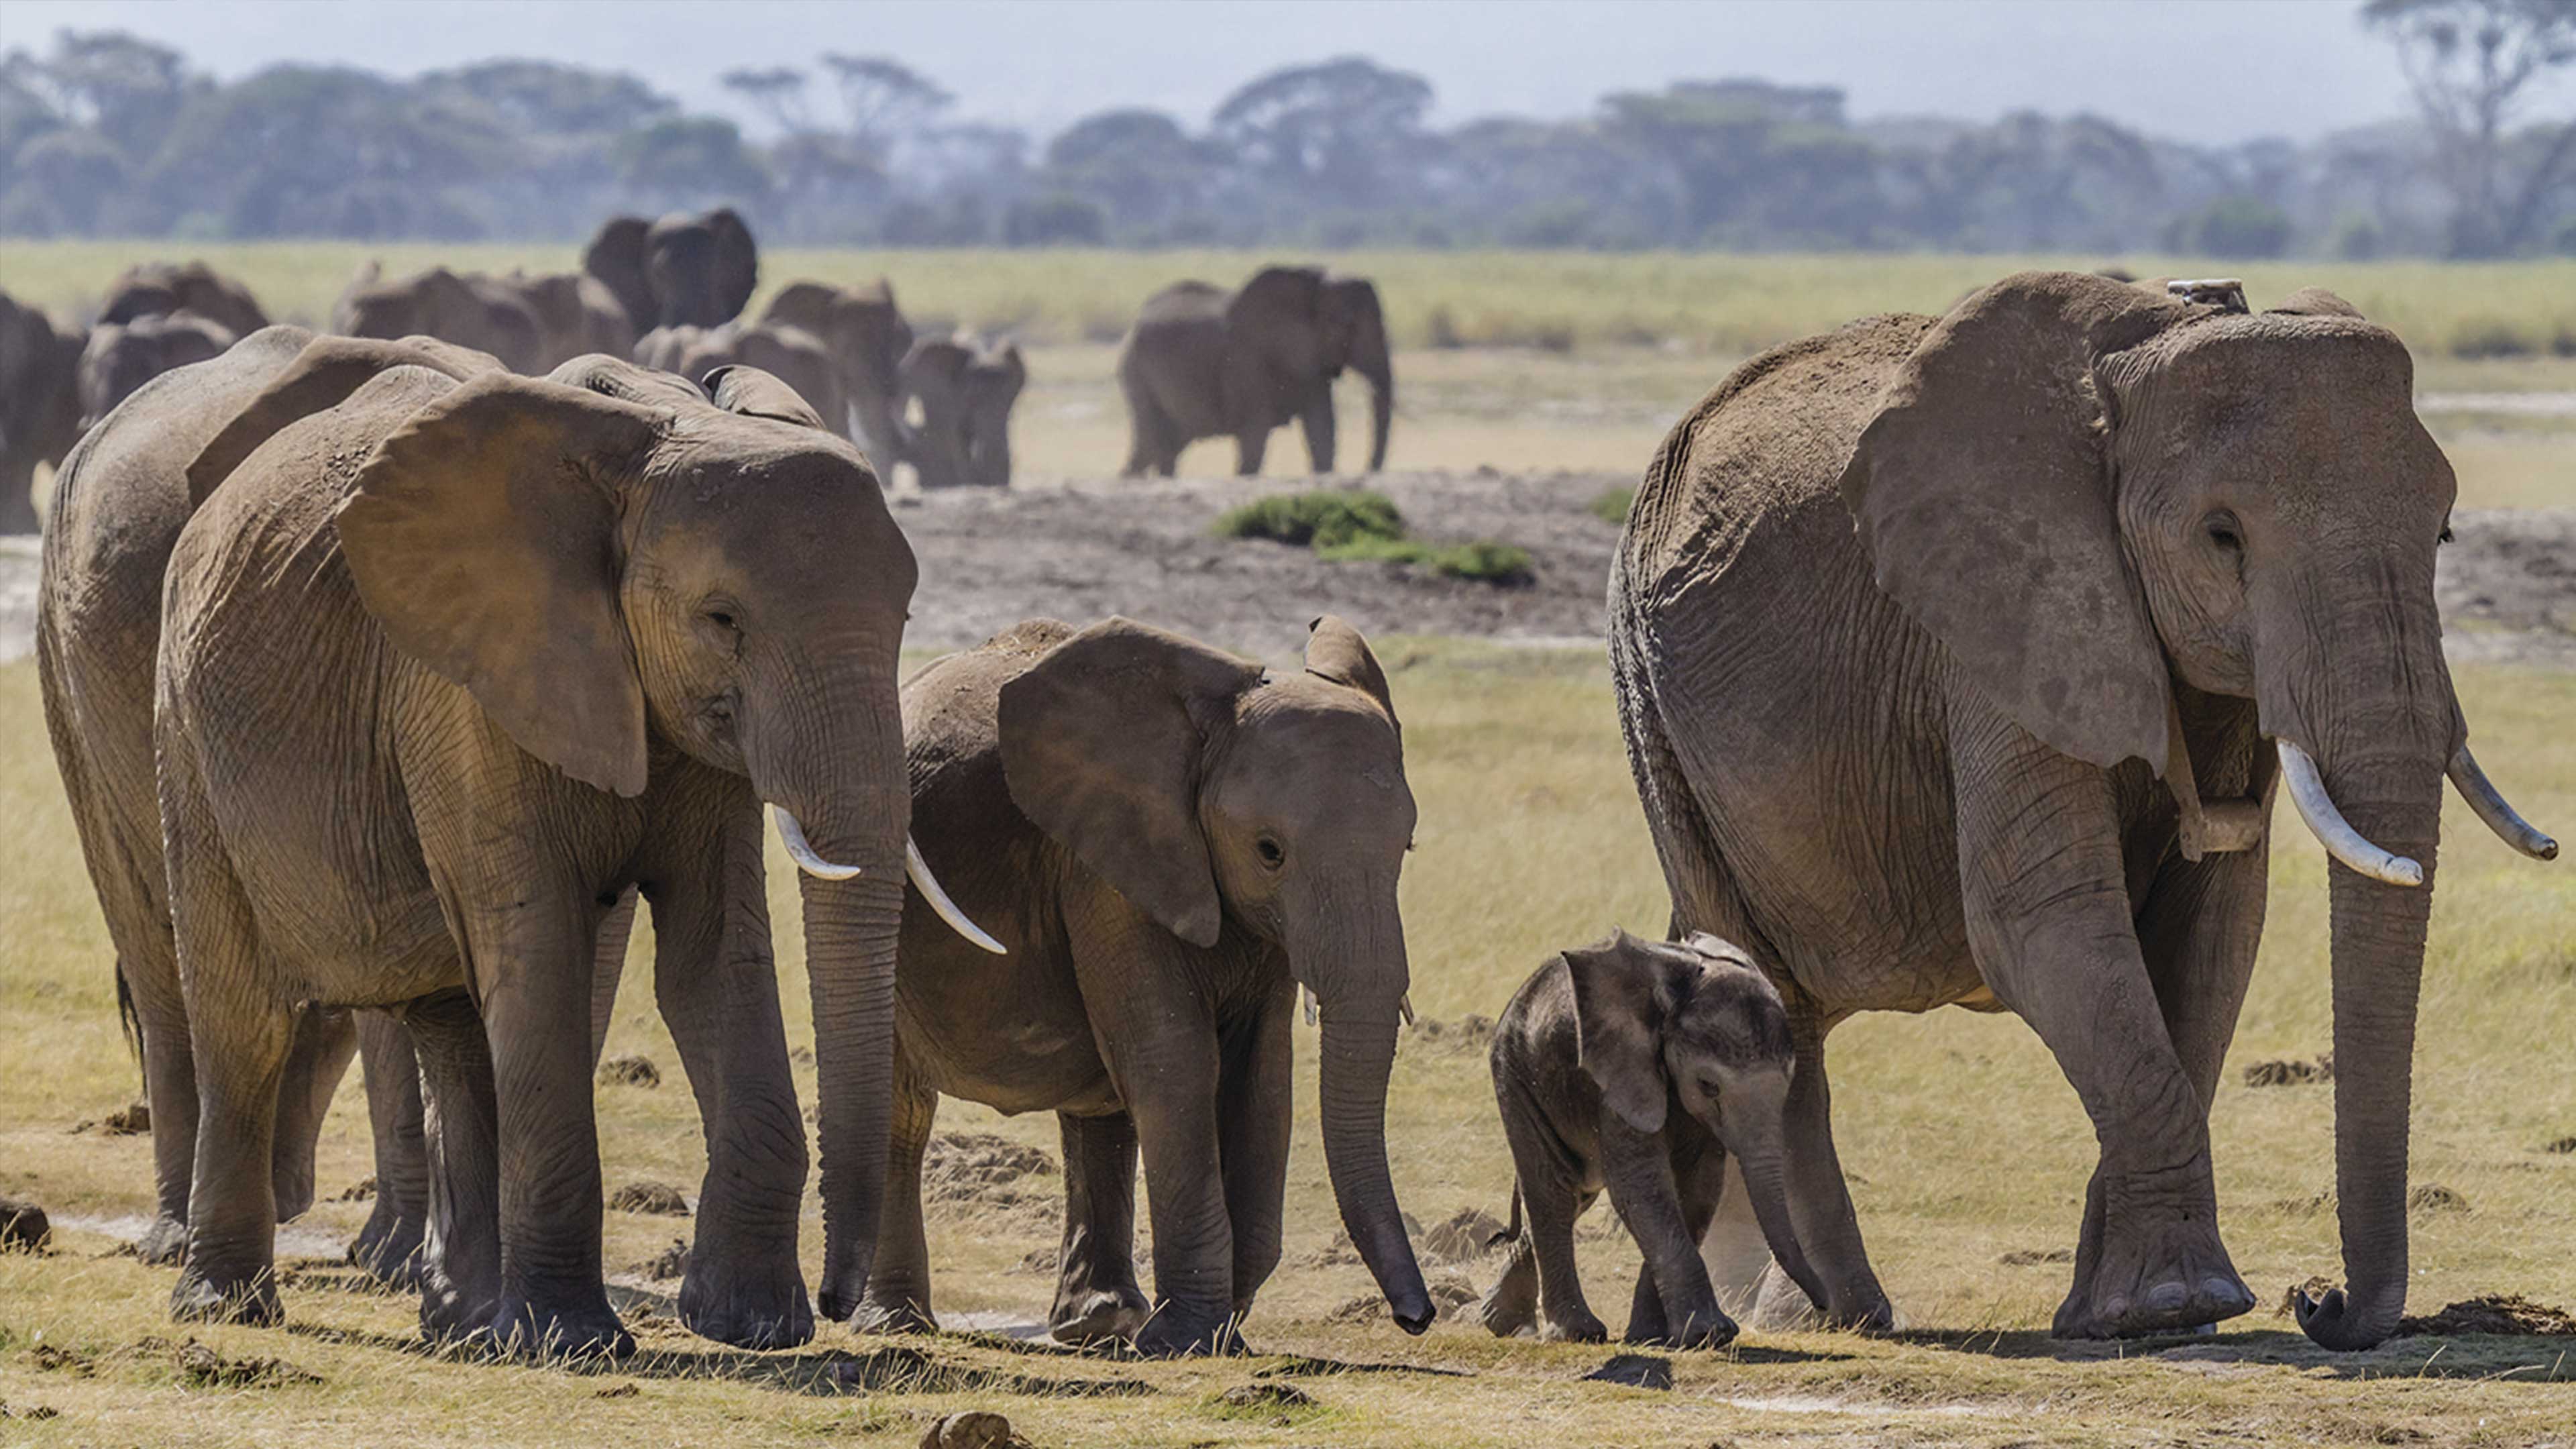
(170,1087)
(1250,445)
(1256,1113)
(608,969)
(1820,1205)
(1096,1296)
(1647,1192)
(325,1039)
(1700,1185)
(459,1260)
(2050,921)
(898,1297)
(389,1246)
(1317,422)
(1553,1203)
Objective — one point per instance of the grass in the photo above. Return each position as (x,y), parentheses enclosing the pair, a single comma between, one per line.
(1961,1137)
(1613,505)
(1355,525)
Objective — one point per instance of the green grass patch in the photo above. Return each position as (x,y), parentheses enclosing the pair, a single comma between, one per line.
(1613,505)
(1354,525)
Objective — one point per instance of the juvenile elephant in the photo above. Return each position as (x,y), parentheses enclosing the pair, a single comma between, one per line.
(690,269)
(1646,1069)
(966,388)
(470,311)
(39,404)
(1206,363)
(122,356)
(868,338)
(575,313)
(792,356)
(158,288)
(551,638)
(1958,658)
(1170,841)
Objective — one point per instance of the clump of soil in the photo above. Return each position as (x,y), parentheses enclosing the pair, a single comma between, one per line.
(618,1391)
(23,1226)
(629,1072)
(1342,1253)
(126,1121)
(1467,1235)
(2500,1313)
(2032,1257)
(1469,1033)
(973,1429)
(2291,1073)
(671,1262)
(1636,1370)
(52,1358)
(1358,1312)
(201,1367)
(363,1190)
(984,1176)
(32,1413)
(1039,1260)
(650,1197)
(1276,1404)
(1450,1293)
(2562,1145)
(2432,1197)
(2315,1289)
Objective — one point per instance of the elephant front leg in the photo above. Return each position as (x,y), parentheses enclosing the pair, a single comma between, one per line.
(1255,1119)
(389,1246)
(1700,1184)
(458,1265)
(1163,1058)
(325,1039)
(898,1297)
(1251,445)
(1318,423)
(1097,1299)
(170,1088)
(1679,1308)
(1820,1205)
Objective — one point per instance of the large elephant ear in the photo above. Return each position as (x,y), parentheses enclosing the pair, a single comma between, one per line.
(1982,494)
(1101,742)
(737,260)
(1335,651)
(738,388)
(319,378)
(616,257)
(483,537)
(1623,996)
(1285,307)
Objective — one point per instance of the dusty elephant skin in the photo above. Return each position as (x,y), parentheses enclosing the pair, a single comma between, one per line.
(1957,659)
(1202,362)
(40,410)
(537,706)
(966,388)
(1649,1070)
(689,269)
(1169,842)
(867,337)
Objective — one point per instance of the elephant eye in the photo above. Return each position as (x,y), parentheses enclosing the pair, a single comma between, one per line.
(1271,853)
(2224,532)
(721,618)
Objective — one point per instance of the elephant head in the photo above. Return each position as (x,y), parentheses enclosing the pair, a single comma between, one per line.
(470,311)
(616,258)
(122,356)
(611,567)
(966,391)
(1305,326)
(155,288)
(868,338)
(701,266)
(1698,1022)
(2092,494)
(40,411)
(1226,802)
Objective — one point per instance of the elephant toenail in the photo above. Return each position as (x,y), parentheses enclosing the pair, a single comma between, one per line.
(2117,1308)
(2165,1297)
(2227,1291)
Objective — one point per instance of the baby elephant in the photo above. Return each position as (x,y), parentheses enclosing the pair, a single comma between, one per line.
(1639,1066)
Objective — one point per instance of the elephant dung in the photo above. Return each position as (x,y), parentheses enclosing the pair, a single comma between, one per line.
(2500,1313)
(127,1121)
(1636,1370)
(1468,1234)
(629,1072)
(973,1429)
(649,1197)
(2290,1073)
(24,1226)
(363,1190)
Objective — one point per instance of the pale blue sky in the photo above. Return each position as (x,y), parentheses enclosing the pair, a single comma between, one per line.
(2205,70)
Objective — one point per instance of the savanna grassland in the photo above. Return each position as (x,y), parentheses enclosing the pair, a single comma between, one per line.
(1967,1151)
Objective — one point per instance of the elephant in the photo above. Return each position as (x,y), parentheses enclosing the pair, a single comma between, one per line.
(157,288)
(794,357)
(686,270)
(1645,1068)
(552,637)
(576,314)
(1204,363)
(1170,842)
(470,311)
(966,388)
(1907,624)
(122,356)
(868,338)
(39,404)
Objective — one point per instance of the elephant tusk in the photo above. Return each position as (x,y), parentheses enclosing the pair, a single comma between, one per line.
(2500,817)
(923,881)
(802,851)
(2308,792)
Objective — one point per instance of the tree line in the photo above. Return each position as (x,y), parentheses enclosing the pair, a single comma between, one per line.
(106,134)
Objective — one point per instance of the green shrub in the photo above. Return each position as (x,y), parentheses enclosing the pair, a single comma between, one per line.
(1613,505)
(1504,565)
(1323,517)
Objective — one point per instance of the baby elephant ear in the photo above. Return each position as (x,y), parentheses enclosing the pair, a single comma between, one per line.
(757,394)
(1622,998)
(1335,651)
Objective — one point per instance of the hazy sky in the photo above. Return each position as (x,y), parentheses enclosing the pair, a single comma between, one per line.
(2207,70)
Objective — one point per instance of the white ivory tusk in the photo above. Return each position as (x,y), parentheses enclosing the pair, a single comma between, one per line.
(2502,818)
(2308,791)
(926,883)
(802,850)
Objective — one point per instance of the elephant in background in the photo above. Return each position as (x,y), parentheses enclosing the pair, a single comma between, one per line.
(1204,363)
(576,315)
(793,357)
(120,357)
(965,388)
(159,288)
(689,269)
(470,311)
(1170,841)
(868,338)
(1959,659)
(40,410)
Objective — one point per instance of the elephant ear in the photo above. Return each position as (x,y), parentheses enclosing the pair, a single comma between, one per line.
(616,258)
(1335,651)
(1101,741)
(316,379)
(1623,996)
(2315,302)
(1982,494)
(1285,307)
(483,536)
(616,377)
(737,388)
(737,260)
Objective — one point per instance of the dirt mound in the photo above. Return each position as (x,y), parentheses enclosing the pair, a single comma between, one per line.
(1342,1253)
(974,1429)
(1449,1293)
(2291,1073)
(201,1367)
(1467,1235)
(629,1072)
(2432,1197)
(1039,1260)
(30,1413)
(980,1175)
(1469,1033)
(650,1197)
(2562,1145)
(2501,1313)
(2032,1257)
(126,1121)
(671,1262)
(363,1190)
(23,1226)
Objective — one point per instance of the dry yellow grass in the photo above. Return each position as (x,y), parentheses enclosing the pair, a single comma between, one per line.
(1963,1142)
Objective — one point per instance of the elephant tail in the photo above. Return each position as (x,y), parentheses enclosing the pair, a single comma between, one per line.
(132,1021)
(1512,1232)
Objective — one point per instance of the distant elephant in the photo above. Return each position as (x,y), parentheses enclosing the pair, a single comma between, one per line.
(615,259)
(690,269)
(1958,658)
(560,636)
(1171,842)
(40,407)
(122,356)
(966,388)
(1206,363)
(575,314)
(1644,1069)
(158,288)
(868,338)
(468,310)
(794,357)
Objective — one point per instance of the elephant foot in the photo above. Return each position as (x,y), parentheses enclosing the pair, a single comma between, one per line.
(451,1312)
(1781,1306)
(388,1247)
(1099,1315)
(1578,1327)
(207,1298)
(564,1331)
(1178,1332)
(165,1242)
(748,1300)
(1510,1307)
(1706,1329)
(904,1314)
(2164,1280)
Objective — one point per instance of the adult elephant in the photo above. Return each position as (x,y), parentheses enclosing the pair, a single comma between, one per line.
(572,632)
(39,404)
(159,288)
(1908,622)
(868,338)
(965,388)
(1205,363)
(576,314)
(1171,842)
(794,357)
(689,269)
(120,357)
(470,311)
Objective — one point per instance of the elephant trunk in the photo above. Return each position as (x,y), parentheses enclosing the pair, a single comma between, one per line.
(1754,1135)
(1374,364)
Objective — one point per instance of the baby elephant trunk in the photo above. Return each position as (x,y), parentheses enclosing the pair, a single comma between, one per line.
(1753,1134)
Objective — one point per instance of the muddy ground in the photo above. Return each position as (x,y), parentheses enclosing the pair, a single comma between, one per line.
(1080,549)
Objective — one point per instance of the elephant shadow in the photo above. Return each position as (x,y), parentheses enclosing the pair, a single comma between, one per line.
(2527,1359)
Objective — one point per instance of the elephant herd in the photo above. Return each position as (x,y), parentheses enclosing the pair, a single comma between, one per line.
(1958,660)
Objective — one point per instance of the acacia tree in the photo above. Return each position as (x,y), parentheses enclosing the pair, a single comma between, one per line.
(2473,65)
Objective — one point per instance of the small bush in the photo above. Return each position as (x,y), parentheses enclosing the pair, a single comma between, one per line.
(1440,330)
(1613,505)
(1505,565)
(1326,518)
(2479,338)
